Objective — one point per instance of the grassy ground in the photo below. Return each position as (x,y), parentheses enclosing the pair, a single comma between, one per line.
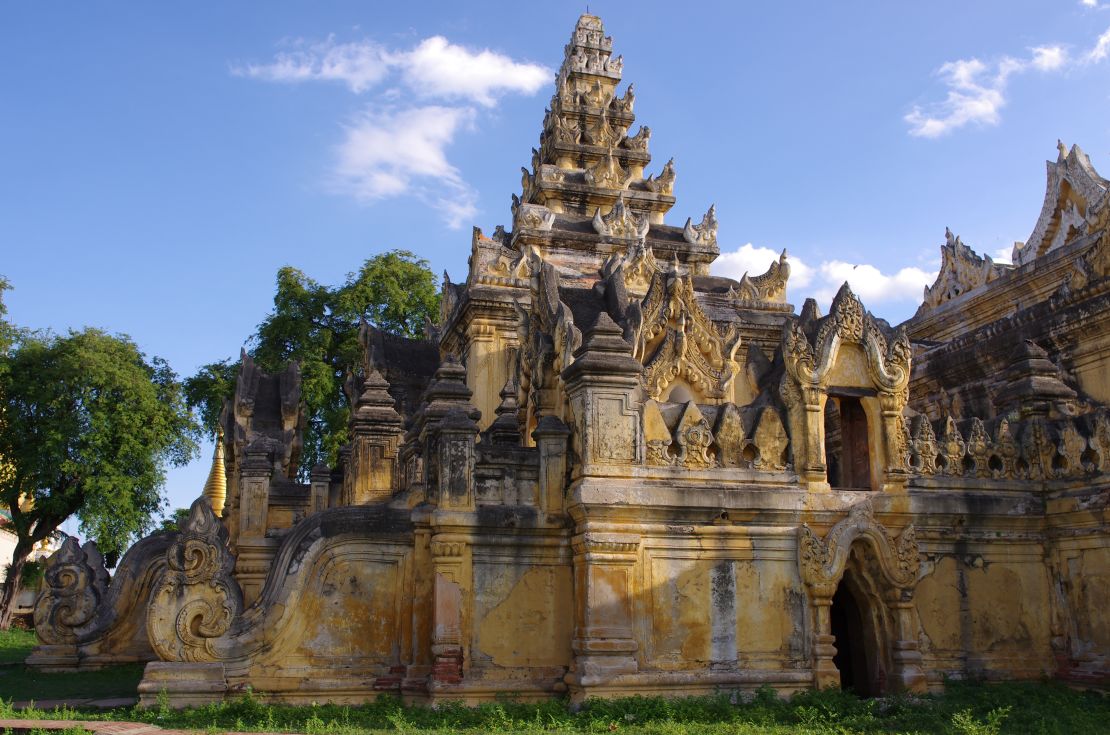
(964,709)
(15,645)
(19,683)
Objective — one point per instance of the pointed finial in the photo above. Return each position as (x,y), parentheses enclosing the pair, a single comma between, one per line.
(215,488)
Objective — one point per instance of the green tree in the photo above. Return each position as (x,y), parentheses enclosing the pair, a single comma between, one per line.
(317,325)
(87,427)
(175,521)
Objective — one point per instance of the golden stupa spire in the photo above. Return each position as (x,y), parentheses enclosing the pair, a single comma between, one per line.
(215,489)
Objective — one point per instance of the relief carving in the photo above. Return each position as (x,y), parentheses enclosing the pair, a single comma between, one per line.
(198,598)
(693,437)
(704,233)
(75,583)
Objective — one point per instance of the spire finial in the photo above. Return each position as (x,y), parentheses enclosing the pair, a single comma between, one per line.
(215,488)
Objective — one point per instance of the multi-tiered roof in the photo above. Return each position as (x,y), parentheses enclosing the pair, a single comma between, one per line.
(587,180)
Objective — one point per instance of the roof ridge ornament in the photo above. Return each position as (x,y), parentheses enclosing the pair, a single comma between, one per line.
(620,222)
(704,233)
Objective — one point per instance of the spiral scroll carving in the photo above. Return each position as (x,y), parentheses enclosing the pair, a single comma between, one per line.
(198,599)
(75,583)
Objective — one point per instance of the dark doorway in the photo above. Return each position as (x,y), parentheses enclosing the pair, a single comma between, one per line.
(847,456)
(854,649)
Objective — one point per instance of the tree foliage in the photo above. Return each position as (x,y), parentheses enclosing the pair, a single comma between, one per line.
(88,425)
(317,325)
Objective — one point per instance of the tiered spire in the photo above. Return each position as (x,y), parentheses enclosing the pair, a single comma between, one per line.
(215,488)
(587,156)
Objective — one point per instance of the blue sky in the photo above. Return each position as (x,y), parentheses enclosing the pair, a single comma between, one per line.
(161,161)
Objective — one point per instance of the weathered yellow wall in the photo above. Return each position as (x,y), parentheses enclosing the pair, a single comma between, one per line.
(522,615)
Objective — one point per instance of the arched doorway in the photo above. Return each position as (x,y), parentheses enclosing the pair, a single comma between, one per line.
(860,578)
(857,642)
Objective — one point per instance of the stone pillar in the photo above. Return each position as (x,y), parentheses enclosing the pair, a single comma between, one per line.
(319,488)
(254,551)
(825,673)
(452,570)
(908,674)
(813,471)
(896,473)
(455,435)
(603,643)
(551,439)
(603,384)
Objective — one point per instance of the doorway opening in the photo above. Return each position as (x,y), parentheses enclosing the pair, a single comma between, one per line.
(854,625)
(847,454)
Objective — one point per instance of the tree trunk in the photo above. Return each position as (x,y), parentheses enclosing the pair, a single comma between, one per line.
(12,584)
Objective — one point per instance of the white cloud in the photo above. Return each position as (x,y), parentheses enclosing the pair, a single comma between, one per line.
(358,65)
(434,68)
(1100,50)
(1003,255)
(385,154)
(872,285)
(1049,58)
(823,281)
(977,89)
(1089,3)
(976,93)
(391,150)
(438,68)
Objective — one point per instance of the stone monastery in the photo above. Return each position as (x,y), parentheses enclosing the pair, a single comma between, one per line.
(611,473)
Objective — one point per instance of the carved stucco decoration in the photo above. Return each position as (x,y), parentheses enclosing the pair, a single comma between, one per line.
(657,437)
(638,267)
(952,448)
(198,598)
(822,561)
(769,286)
(533,217)
(809,364)
(624,104)
(603,132)
(1100,440)
(961,270)
(1094,264)
(770,440)
(639,141)
(979,448)
(888,361)
(692,439)
(704,233)
(664,183)
(730,438)
(1031,449)
(1074,190)
(1037,449)
(75,584)
(676,340)
(923,451)
(608,173)
(557,318)
(621,222)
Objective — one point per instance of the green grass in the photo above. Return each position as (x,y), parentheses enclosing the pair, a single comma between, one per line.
(15,645)
(19,683)
(963,709)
